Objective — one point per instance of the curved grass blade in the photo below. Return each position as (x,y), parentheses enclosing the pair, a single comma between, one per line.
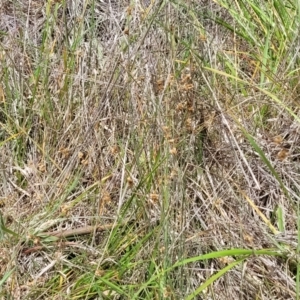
(232,252)
(213,278)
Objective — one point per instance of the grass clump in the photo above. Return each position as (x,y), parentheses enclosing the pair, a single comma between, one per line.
(149,150)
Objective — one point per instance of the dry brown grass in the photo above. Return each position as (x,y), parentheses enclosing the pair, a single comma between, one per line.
(111,112)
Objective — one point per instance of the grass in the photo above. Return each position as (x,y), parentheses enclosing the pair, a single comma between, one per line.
(149,150)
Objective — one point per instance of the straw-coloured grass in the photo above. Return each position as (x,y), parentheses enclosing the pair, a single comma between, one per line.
(149,150)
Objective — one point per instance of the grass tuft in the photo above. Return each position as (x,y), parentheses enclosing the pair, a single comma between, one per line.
(149,149)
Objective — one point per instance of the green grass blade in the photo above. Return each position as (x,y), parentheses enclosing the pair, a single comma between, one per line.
(213,278)
(6,276)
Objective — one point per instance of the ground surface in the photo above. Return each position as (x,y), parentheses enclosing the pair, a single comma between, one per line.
(149,150)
